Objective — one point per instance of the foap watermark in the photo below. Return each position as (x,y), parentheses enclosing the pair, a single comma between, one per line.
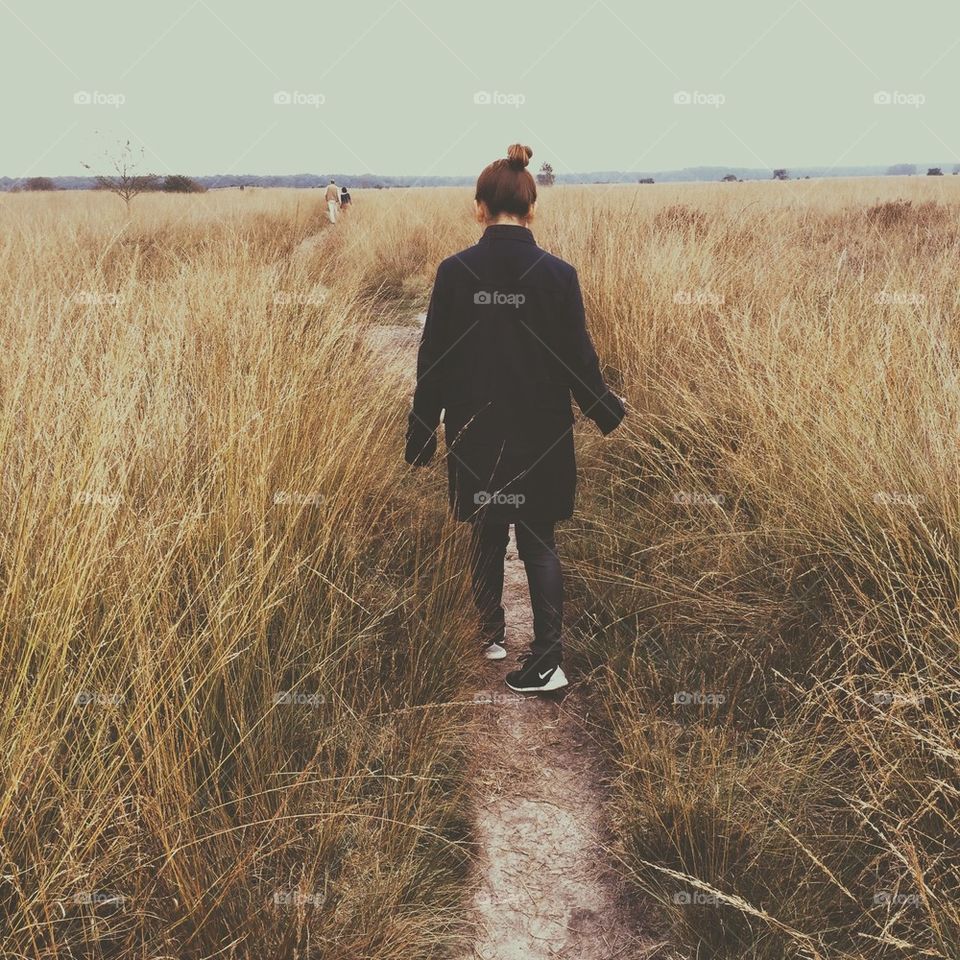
(887,898)
(295,498)
(900,298)
(895,498)
(313,299)
(697,98)
(698,298)
(97,98)
(495,298)
(97,698)
(896,98)
(298,699)
(699,699)
(497,98)
(95,498)
(482,498)
(92,298)
(98,898)
(494,698)
(891,698)
(691,498)
(297,898)
(696,898)
(298,98)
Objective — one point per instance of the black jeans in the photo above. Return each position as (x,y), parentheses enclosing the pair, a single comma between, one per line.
(538,551)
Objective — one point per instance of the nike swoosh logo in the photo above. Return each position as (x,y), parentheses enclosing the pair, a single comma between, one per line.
(547,674)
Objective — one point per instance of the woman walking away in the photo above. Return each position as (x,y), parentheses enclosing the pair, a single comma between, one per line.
(504,345)
(344,199)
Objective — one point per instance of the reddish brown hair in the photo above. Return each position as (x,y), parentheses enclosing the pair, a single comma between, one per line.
(506,186)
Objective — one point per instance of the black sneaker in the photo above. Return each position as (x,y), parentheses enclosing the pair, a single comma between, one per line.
(495,649)
(536,675)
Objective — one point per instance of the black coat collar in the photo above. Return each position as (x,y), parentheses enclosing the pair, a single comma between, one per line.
(507,231)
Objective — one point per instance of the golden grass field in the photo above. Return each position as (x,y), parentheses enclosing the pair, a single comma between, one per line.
(234,621)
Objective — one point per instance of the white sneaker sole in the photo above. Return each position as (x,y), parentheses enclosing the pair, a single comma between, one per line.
(494,652)
(556,681)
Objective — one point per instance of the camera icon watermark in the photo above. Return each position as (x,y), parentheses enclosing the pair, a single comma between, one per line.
(98,898)
(698,98)
(683,898)
(495,298)
(294,698)
(298,98)
(886,898)
(895,98)
(484,499)
(495,98)
(889,698)
(494,698)
(900,298)
(92,298)
(98,698)
(297,499)
(297,898)
(691,498)
(94,498)
(686,699)
(894,498)
(698,298)
(96,98)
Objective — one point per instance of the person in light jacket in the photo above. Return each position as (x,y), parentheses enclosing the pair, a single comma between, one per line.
(504,347)
(332,196)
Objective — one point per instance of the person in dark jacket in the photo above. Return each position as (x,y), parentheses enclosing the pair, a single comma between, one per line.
(504,346)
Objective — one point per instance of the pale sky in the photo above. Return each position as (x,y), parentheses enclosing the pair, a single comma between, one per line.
(390,86)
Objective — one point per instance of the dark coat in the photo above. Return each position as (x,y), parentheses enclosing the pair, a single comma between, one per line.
(504,346)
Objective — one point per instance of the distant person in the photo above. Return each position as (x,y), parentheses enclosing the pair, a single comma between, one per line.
(344,198)
(333,200)
(504,346)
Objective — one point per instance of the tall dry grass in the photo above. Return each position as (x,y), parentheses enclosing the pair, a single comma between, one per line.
(765,571)
(770,561)
(766,555)
(226,611)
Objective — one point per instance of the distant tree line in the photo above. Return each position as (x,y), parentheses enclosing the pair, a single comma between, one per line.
(127,183)
(910,169)
(174,183)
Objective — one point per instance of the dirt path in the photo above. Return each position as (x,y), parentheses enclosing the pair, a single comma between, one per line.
(546,888)
(397,345)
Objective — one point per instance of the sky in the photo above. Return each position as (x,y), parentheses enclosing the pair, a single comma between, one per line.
(441,87)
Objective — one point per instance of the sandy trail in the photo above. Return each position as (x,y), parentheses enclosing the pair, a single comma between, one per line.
(397,346)
(545,885)
(547,888)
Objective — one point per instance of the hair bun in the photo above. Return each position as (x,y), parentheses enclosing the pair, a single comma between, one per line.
(519,155)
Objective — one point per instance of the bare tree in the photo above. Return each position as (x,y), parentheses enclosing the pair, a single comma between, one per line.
(125,181)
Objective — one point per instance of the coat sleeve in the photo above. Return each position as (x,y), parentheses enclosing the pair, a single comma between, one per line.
(593,396)
(424,418)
